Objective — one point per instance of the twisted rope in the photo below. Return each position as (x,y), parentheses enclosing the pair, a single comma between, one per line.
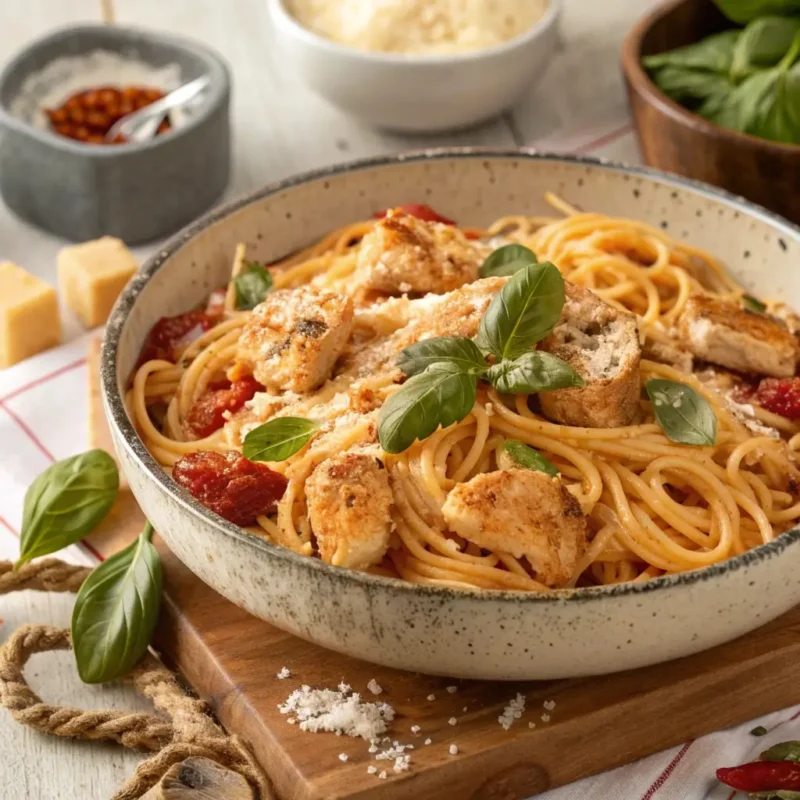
(187,730)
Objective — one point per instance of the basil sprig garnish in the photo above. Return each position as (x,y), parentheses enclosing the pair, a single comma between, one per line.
(507,260)
(116,611)
(442,395)
(753,304)
(252,285)
(523,312)
(453,349)
(278,439)
(67,501)
(684,414)
(523,455)
(535,371)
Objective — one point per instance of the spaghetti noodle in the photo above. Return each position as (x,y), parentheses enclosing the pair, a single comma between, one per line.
(653,506)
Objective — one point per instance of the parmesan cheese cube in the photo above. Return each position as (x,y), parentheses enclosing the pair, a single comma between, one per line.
(29,321)
(91,276)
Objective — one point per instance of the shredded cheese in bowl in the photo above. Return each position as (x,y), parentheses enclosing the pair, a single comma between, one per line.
(418,26)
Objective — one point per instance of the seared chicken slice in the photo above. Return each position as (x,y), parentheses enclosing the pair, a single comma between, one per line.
(602,344)
(720,332)
(294,337)
(404,254)
(349,504)
(524,513)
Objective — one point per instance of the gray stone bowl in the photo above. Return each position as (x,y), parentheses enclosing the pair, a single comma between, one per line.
(137,192)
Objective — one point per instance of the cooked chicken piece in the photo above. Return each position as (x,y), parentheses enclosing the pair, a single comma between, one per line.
(602,344)
(349,504)
(294,337)
(522,512)
(404,254)
(719,331)
(667,353)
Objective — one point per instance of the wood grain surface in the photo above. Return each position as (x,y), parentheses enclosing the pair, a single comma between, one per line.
(232,660)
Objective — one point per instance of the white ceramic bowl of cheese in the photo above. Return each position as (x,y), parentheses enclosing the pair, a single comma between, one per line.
(418,93)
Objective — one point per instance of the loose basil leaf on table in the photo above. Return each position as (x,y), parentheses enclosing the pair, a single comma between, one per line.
(116,611)
(453,349)
(507,260)
(785,751)
(67,501)
(763,43)
(252,284)
(278,439)
(684,414)
(712,54)
(744,11)
(441,395)
(535,371)
(523,455)
(523,312)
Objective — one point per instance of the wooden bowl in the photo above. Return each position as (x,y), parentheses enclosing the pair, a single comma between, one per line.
(674,139)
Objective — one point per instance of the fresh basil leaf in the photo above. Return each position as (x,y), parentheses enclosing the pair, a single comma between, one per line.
(453,349)
(778,117)
(691,87)
(534,371)
(785,751)
(519,454)
(712,54)
(278,439)
(753,304)
(775,794)
(67,501)
(744,11)
(441,395)
(763,43)
(759,730)
(524,311)
(507,260)
(116,611)
(252,285)
(685,415)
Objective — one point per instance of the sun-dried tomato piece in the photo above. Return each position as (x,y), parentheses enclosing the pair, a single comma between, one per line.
(418,210)
(172,333)
(780,396)
(229,485)
(207,414)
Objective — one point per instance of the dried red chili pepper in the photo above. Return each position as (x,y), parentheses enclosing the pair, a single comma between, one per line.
(762,776)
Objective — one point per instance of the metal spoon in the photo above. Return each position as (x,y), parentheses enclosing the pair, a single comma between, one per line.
(141,125)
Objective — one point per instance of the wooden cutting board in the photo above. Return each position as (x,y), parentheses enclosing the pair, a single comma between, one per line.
(231,659)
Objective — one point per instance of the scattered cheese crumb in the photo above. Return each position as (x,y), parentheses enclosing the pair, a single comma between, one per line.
(431,697)
(428,741)
(342,756)
(531,724)
(452,689)
(337,712)
(512,711)
(372,770)
(549,704)
(415,729)
(545,718)
(374,686)
(382,774)
(452,721)
(345,688)
(283,674)
(453,750)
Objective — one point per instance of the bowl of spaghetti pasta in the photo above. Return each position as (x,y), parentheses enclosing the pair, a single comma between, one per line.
(484,414)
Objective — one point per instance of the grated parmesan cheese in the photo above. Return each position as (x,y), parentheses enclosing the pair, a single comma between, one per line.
(512,712)
(418,26)
(337,712)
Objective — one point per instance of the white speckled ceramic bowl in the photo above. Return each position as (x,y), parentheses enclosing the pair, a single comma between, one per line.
(495,635)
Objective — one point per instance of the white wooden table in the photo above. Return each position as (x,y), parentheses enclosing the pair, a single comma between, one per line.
(279,128)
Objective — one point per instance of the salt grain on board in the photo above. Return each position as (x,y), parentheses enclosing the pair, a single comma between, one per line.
(415,729)
(549,704)
(283,674)
(545,718)
(431,697)
(374,686)
(453,750)
(342,756)
(428,741)
(513,711)
(452,721)
(452,689)
(371,770)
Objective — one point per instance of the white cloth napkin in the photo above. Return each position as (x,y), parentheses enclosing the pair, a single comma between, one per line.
(43,417)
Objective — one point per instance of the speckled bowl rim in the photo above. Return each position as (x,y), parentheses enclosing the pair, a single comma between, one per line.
(641,80)
(550,17)
(118,417)
(218,90)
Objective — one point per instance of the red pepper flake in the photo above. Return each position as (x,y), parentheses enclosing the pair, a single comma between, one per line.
(229,485)
(207,414)
(780,396)
(171,334)
(762,776)
(418,210)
